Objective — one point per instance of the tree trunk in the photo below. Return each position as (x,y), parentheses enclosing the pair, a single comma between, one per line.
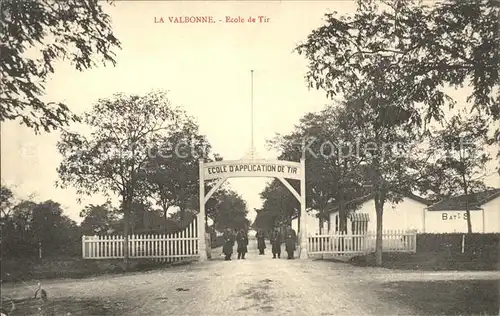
(342,220)
(132,223)
(467,210)
(164,220)
(321,221)
(342,215)
(469,223)
(379,208)
(126,223)
(182,216)
(341,198)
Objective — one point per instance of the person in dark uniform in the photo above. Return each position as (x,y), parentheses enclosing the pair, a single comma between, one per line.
(276,243)
(290,241)
(261,242)
(227,249)
(242,241)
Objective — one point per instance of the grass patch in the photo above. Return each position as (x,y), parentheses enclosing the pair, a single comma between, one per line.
(74,268)
(463,297)
(429,261)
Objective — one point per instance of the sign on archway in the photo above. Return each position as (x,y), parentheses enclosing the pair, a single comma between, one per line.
(280,169)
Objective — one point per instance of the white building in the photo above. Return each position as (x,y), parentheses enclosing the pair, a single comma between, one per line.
(312,223)
(416,213)
(449,216)
(405,215)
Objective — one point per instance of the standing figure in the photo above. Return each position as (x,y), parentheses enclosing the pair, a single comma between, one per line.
(290,241)
(261,242)
(276,243)
(242,241)
(227,249)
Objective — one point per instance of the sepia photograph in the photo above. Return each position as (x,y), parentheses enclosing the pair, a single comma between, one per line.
(287,157)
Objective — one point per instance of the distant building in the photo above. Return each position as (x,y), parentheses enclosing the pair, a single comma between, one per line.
(449,215)
(312,223)
(405,215)
(416,213)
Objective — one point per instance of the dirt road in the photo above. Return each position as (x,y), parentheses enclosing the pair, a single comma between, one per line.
(253,286)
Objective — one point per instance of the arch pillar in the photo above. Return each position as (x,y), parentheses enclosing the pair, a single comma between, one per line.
(280,169)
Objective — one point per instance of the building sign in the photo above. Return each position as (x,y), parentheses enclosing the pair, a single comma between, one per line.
(252,168)
(453,216)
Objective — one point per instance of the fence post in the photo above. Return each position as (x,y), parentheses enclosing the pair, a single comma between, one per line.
(414,242)
(83,246)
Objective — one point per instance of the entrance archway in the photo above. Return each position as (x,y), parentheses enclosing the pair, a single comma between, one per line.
(246,168)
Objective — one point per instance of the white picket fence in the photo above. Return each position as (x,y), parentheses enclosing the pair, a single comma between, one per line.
(339,244)
(160,247)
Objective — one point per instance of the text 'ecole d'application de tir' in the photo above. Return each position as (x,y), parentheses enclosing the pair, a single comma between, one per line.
(212,19)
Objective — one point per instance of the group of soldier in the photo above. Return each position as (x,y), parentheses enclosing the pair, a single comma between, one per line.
(276,238)
(241,239)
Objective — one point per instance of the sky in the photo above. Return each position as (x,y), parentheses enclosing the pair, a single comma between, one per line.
(205,68)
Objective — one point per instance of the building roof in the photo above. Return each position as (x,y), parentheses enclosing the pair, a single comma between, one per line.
(368,197)
(457,203)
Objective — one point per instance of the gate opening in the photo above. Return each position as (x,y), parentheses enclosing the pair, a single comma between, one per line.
(249,168)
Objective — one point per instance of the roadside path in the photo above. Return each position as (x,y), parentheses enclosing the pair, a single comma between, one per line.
(257,285)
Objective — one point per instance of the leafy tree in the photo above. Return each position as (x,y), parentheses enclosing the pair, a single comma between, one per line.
(152,221)
(171,172)
(98,219)
(388,60)
(192,201)
(265,220)
(369,143)
(17,236)
(6,201)
(327,140)
(144,218)
(420,48)
(231,212)
(306,140)
(459,154)
(213,202)
(112,158)
(390,150)
(33,224)
(51,228)
(139,211)
(78,31)
(182,218)
(279,204)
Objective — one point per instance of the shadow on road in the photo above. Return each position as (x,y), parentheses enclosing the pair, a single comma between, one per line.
(453,297)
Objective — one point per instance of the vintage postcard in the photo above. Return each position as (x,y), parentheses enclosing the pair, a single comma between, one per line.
(250,157)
